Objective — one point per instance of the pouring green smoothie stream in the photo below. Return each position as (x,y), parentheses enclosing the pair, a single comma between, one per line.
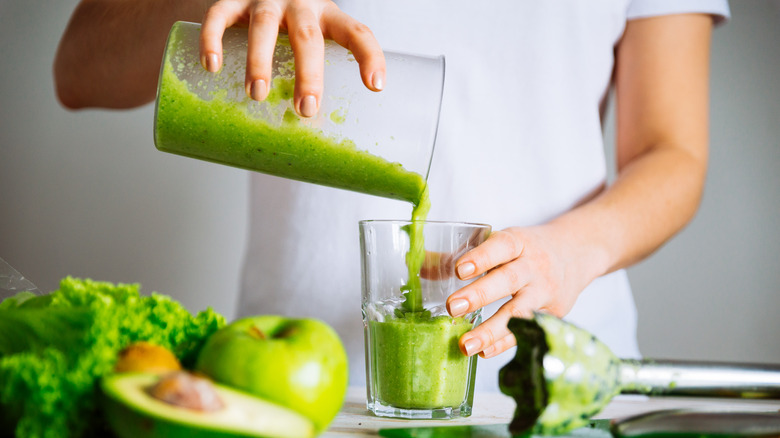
(197,119)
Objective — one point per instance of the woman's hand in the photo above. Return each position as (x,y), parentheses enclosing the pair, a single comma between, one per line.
(308,23)
(539,268)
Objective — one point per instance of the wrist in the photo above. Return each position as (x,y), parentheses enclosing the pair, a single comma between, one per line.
(587,249)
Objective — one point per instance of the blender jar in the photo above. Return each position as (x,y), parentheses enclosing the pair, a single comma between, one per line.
(380,143)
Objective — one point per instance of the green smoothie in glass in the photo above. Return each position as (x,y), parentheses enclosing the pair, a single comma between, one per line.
(415,368)
(418,363)
(416,359)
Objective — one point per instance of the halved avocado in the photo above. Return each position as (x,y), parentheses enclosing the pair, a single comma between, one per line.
(132,412)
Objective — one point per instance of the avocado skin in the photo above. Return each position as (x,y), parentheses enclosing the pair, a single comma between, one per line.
(128,423)
(8,419)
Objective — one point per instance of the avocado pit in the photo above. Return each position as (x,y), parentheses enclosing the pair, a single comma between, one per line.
(186,390)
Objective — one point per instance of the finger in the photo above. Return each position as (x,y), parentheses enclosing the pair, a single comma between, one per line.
(498,283)
(499,346)
(308,46)
(501,247)
(357,38)
(219,17)
(437,266)
(495,328)
(263,31)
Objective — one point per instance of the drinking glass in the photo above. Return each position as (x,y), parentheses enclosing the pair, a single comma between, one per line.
(414,368)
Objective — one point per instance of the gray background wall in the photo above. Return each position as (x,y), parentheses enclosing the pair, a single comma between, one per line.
(87,194)
(714,291)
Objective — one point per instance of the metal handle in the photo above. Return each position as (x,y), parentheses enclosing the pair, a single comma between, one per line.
(700,379)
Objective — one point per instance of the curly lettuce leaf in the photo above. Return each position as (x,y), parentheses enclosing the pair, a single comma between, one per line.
(16,300)
(55,347)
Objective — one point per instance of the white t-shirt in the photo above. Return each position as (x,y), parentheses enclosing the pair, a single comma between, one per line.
(519,142)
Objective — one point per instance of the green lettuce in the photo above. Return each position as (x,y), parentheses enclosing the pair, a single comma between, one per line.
(54,348)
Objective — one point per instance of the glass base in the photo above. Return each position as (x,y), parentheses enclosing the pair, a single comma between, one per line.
(446,413)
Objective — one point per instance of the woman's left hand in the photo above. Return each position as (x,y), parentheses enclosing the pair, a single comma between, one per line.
(539,268)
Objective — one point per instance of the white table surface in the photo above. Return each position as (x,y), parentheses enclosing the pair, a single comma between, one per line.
(355,420)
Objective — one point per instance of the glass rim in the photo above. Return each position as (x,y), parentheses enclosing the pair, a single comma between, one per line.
(407,222)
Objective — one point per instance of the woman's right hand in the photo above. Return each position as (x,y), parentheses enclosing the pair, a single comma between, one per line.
(308,23)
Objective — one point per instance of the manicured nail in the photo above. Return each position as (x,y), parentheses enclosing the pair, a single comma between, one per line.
(466,269)
(472,346)
(212,62)
(309,106)
(378,80)
(458,307)
(258,90)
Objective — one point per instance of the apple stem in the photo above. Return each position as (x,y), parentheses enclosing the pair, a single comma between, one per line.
(256,333)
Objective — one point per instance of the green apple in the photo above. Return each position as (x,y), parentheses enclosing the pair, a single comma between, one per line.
(297,363)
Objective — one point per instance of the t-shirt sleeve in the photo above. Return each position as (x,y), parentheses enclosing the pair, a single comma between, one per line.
(719,9)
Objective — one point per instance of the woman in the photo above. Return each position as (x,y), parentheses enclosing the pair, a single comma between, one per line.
(519,145)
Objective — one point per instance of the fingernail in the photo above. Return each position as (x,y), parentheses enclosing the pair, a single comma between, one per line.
(309,106)
(378,80)
(458,307)
(258,90)
(466,269)
(212,62)
(472,346)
